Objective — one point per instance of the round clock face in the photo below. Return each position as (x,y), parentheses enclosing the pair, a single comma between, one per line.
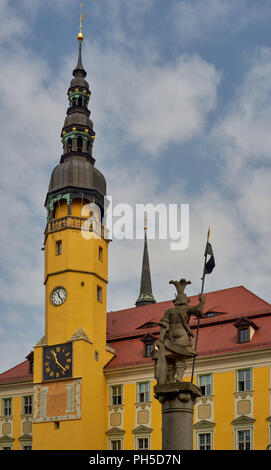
(58,296)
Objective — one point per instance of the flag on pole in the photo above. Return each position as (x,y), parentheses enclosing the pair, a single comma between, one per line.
(210,263)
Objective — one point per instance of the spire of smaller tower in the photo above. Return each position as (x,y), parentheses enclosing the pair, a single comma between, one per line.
(145,295)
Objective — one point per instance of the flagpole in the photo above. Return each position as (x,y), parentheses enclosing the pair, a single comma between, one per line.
(202,288)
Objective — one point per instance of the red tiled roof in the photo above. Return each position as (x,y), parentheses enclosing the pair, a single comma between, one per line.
(235,302)
(217,333)
(19,373)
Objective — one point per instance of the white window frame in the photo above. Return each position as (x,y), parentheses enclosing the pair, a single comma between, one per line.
(144,437)
(238,431)
(243,427)
(4,400)
(204,430)
(24,405)
(204,433)
(111,389)
(145,392)
(200,376)
(115,439)
(238,371)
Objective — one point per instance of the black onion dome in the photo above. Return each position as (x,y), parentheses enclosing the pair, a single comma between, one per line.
(77,172)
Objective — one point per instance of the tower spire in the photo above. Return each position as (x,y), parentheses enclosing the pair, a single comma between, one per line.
(79,69)
(145,295)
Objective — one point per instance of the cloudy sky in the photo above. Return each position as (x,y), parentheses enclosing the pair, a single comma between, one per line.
(181,105)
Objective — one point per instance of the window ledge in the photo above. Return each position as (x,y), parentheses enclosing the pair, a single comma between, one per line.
(143,403)
(244,393)
(206,397)
(115,407)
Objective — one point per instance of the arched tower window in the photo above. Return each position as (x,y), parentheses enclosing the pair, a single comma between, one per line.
(69,145)
(80,101)
(79,144)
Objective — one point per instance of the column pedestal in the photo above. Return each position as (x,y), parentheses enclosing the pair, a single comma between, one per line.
(177,401)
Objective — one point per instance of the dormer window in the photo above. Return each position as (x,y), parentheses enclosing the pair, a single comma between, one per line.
(209,314)
(243,335)
(148,344)
(148,349)
(245,330)
(212,313)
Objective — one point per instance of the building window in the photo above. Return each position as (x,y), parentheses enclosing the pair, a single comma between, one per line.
(7,407)
(99,294)
(27,409)
(243,335)
(243,380)
(116,394)
(101,254)
(142,443)
(115,444)
(205,384)
(58,247)
(27,448)
(143,392)
(148,349)
(244,439)
(205,441)
(245,329)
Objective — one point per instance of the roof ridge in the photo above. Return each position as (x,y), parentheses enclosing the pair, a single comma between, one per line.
(258,297)
(14,367)
(195,295)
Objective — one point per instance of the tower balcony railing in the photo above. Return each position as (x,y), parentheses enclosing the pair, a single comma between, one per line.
(78,223)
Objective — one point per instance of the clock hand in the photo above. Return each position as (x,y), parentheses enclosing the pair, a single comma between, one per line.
(61,298)
(63,368)
(57,362)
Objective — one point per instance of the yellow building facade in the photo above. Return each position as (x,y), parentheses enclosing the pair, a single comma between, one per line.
(88,384)
(234,410)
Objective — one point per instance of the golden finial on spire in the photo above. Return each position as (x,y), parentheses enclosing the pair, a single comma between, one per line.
(145,222)
(80,35)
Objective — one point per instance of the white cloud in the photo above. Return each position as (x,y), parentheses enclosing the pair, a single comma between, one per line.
(152,105)
(195,20)
(244,129)
(236,205)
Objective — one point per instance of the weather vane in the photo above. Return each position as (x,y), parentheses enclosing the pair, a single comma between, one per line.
(80,35)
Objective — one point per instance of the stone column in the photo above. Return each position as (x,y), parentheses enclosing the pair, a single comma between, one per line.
(177,401)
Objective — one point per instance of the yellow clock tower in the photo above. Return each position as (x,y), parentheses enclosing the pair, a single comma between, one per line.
(69,383)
